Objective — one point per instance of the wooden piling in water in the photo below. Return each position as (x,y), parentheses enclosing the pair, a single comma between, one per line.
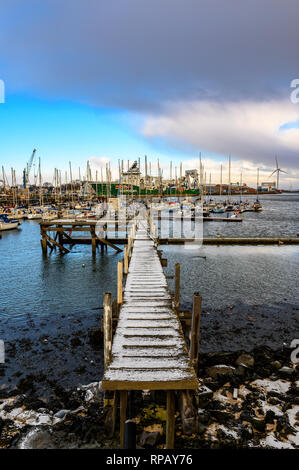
(44,241)
(177,280)
(126,260)
(107,326)
(195,330)
(93,239)
(119,283)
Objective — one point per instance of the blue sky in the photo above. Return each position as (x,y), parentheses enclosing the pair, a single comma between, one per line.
(64,131)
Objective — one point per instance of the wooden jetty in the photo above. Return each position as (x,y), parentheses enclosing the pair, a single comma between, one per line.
(63,230)
(231,241)
(204,219)
(148,350)
(114,233)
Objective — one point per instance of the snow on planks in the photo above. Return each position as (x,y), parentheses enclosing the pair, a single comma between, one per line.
(149,350)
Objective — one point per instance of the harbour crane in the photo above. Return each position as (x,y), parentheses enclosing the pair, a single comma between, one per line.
(26,171)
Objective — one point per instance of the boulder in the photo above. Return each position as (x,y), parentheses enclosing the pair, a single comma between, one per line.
(276,364)
(149,439)
(245,359)
(220,369)
(204,392)
(286,371)
(258,424)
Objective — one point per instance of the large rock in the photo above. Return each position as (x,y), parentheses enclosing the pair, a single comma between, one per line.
(245,359)
(204,392)
(93,392)
(149,439)
(220,369)
(286,371)
(258,424)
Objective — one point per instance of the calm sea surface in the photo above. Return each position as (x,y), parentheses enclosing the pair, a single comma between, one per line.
(32,286)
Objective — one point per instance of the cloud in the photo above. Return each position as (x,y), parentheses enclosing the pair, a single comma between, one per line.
(99,162)
(210,74)
(248,130)
(137,54)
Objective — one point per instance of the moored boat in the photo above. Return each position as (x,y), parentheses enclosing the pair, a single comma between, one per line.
(7,224)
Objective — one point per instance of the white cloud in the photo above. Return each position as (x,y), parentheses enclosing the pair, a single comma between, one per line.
(99,162)
(247,130)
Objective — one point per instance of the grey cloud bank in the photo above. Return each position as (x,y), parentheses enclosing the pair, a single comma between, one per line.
(141,55)
(137,53)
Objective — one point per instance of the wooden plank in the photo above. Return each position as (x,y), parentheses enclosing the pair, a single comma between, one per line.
(62,248)
(106,242)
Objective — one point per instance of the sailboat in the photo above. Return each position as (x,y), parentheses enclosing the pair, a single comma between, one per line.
(7,224)
(257,206)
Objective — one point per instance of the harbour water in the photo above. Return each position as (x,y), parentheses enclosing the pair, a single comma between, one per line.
(51,307)
(33,286)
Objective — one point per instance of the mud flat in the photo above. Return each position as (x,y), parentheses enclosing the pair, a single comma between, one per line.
(50,395)
(245,400)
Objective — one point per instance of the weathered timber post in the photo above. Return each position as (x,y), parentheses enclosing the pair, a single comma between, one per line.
(170,420)
(188,412)
(129,246)
(60,236)
(93,239)
(123,416)
(195,330)
(43,240)
(177,279)
(126,260)
(110,406)
(119,283)
(107,326)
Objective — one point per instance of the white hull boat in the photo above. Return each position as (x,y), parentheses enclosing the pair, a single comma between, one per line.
(8,225)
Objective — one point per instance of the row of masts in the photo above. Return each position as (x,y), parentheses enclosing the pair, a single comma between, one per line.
(69,184)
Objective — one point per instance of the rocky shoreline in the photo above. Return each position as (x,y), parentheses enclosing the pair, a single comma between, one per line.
(245,400)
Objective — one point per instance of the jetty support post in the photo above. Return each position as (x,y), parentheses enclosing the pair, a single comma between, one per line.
(177,279)
(110,398)
(43,240)
(123,416)
(119,283)
(188,412)
(93,239)
(126,260)
(170,420)
(60,236)
(195,330)
(107,326)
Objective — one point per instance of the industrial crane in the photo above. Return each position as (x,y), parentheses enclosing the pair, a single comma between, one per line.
(27,170)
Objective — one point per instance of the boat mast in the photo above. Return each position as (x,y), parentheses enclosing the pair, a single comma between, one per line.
(229,178)
(220,189)
(40,183)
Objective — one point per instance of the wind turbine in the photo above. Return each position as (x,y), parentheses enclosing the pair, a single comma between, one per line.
(277,170)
